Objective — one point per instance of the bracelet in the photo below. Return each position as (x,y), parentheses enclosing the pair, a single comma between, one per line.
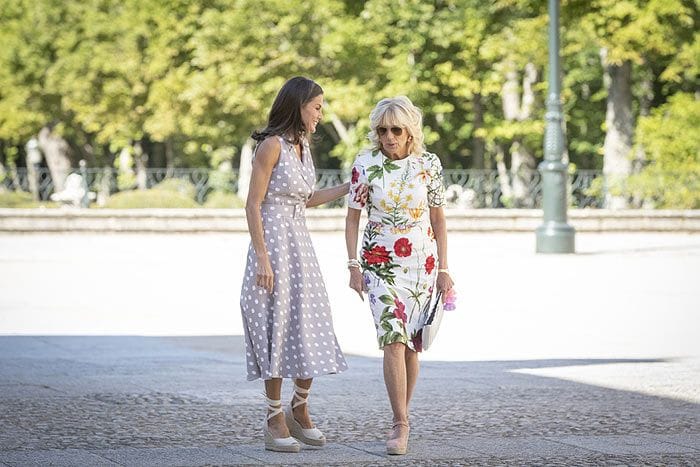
(353,263)
(446,271)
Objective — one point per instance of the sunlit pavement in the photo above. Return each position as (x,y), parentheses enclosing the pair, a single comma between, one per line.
(566,359)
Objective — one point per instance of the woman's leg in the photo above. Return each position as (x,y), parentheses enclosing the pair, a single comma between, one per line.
(301,412)
(277,425)
(412,369)
(395,380)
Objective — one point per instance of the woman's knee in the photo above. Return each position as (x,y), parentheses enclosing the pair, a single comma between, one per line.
(396,349)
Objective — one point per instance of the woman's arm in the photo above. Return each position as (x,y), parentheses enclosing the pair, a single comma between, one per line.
(352,226)
(266,157)
(327,195)
(437,220)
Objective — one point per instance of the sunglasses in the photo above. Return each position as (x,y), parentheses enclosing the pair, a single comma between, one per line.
(396,130)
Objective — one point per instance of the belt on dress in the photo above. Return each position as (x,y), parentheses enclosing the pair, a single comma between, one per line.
(293,210)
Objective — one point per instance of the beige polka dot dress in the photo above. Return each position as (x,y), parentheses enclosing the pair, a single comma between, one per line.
(289,332)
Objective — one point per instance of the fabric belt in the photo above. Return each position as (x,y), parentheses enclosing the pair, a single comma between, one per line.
(294,211)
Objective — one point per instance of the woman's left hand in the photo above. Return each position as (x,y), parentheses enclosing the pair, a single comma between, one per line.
(361,194)
(444,282)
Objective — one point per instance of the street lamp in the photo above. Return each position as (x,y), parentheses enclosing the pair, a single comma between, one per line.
(554,235)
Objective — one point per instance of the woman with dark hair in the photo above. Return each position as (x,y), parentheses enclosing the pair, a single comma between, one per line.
(286,314)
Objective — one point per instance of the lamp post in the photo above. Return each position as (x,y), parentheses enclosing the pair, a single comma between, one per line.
(554,235)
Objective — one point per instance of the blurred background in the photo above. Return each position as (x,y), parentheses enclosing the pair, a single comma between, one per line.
(158,98)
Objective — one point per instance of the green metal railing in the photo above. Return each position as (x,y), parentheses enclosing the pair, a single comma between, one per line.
(466,188)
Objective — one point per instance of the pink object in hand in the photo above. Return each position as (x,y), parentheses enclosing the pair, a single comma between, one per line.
(450,300)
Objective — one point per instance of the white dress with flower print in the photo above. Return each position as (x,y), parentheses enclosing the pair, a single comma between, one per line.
(399,254)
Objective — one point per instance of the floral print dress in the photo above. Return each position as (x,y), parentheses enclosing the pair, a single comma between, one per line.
(399,254)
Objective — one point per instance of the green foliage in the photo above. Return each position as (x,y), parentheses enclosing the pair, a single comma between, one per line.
(177,185)
(670,137)
(222,200)
(222,180)
(142,199)
(22,199)
(197,77)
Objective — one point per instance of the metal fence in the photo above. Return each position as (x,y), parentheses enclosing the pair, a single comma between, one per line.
(466,188)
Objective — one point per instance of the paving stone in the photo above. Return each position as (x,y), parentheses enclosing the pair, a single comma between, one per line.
(170,399)
(175,456)
(69,457)
(309,455)
(690,440)
(523,447)
(623,444)
(418,449)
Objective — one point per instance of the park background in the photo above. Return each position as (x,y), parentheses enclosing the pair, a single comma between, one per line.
(160,97)
(121,341)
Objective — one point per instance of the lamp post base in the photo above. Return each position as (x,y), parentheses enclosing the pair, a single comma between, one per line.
(555,237)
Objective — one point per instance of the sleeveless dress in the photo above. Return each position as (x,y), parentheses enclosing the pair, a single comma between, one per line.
(289,332)
(399,252)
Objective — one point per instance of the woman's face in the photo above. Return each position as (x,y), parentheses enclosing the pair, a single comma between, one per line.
(311,113)
(394,140)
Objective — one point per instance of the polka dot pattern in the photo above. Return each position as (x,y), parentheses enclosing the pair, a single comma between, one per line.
(289,332)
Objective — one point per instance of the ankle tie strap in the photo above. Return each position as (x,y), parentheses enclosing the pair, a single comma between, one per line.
(298,392)
(274,406)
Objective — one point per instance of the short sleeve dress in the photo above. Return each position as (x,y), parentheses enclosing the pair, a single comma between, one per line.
(399,253)
(289,332)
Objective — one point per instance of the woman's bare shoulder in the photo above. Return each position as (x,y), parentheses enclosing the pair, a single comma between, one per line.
(268,151)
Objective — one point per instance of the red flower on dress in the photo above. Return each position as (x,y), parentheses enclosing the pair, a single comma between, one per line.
(376,255)
(402,247)
(355,175)
(417,340)
(400,310)
(429,264)
(431,235)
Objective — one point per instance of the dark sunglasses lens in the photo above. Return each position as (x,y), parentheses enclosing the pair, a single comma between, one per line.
(381,130)
(398,131)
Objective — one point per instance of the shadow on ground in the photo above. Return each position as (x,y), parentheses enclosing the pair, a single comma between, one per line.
(108,394)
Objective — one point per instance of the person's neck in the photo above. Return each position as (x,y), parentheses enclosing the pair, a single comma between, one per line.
(290,138)
(395,157)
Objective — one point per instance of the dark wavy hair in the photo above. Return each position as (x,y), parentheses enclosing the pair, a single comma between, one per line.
(285,114)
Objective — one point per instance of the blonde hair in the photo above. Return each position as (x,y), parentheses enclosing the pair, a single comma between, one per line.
(397,111)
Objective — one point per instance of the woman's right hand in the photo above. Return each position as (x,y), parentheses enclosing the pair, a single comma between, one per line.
(264,276)
(357,282)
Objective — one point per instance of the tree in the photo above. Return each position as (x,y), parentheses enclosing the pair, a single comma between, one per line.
(631,33)
(670,177)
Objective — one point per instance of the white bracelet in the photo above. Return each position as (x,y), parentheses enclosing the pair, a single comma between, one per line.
(353,263)
(446,271)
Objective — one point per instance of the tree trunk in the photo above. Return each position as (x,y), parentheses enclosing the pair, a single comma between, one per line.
(511,96)
(169,155)
(503,179)
(522,172)
(140,162)
(56,152)
(514,109)
(619,125)
(478,143)
(3,171)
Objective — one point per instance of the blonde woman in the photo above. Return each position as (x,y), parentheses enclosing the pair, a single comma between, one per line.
(403,258)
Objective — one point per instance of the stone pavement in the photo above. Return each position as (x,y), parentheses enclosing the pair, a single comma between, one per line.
(184,401)
(587,359)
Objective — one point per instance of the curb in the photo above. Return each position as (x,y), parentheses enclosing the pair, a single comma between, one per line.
(332,220)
